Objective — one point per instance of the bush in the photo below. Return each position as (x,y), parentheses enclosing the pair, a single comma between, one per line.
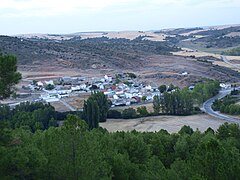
(162,88)
(142,111)
(129,113)
(114,114)
(49,87)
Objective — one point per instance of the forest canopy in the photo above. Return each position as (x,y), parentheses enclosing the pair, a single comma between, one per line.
(74,152)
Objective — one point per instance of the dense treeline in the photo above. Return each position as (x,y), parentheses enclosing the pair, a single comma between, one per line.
(129,113)
(74,152)
(227,105)
(41,116)
(34,116)
(179,102)
(183,101)
(204,91)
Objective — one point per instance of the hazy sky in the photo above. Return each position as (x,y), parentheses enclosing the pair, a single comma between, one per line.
(68,16)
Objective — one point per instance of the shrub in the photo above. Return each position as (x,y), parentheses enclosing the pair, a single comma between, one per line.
(129,113)
(114,114)
(142,111)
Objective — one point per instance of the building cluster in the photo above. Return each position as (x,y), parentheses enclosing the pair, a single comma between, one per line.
(121,90)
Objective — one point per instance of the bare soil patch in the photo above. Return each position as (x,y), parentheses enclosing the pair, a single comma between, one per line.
(77,101)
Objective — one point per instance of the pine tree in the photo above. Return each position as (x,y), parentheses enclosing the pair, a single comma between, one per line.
(8,75)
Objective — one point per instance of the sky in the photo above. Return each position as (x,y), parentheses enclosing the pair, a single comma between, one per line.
(70,16)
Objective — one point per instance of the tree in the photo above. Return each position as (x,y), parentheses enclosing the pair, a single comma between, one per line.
(228,130)
(156,104)
(132,75)
(186,130)
(91,113)
(171,87)
(142,111)
(162,88)
(49,87)
(8,75)
(103,105)
(144,98)
(129,113)
(115,114)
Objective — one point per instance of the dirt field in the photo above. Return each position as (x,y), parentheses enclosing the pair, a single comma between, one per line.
(170,123)
(59,106)
(188,52)
(77,101)
(56,72)
(207,29)
(125,34)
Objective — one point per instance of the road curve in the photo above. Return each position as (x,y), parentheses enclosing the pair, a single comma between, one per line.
(207,107)
(229,63)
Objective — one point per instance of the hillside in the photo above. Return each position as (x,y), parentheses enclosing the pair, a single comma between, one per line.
(148,54)
(209,39)
(83,53)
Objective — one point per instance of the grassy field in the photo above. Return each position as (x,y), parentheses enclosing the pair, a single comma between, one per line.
(170,123)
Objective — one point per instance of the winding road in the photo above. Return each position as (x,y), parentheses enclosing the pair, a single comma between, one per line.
(229,63)
(207,107)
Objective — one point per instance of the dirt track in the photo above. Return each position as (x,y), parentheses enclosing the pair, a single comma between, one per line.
(170,123)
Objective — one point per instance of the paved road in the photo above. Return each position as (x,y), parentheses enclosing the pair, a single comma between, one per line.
(207,107)
(228,62)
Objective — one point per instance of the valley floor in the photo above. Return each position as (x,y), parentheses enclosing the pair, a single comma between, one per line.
(170,123)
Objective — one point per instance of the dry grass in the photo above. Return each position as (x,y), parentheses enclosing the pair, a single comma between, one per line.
(233,34)
(207,29)
(41,73)
(59,106)
(77,101)
(188,52)
(125,34)
(170,123)
(233,58)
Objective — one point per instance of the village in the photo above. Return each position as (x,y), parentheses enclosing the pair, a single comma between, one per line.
(122,90)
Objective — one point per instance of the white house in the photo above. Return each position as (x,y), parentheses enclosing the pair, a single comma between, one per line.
(115,97)
(39,84)
(50,82)
(108,78)
(101,86)
(148,87)
(119,92)
(76,88)
(128,95)
(50,98)
(185,73)
(83,86)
